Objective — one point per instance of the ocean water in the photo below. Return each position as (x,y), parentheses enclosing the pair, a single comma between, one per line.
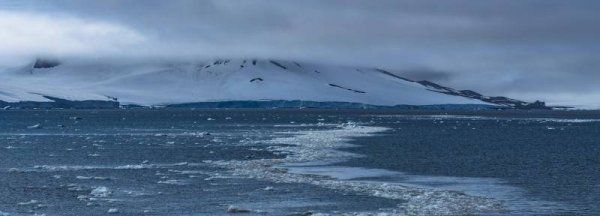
(299,162)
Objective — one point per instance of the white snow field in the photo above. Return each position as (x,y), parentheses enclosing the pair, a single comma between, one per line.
(152,83)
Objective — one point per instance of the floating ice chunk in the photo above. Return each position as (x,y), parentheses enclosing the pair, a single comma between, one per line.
(92,177)
(197,134)
(235,209)
(83,197)
(30,202)
(100,192)
(74,187)
(35,126)
(173,182)
(113,211)
(135,166)
(14,170)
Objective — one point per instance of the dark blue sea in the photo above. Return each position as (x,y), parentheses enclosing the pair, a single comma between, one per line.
(299,162)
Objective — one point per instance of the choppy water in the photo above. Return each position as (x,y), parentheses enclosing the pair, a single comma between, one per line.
(296,162)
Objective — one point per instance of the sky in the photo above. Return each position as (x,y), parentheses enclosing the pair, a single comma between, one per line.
(526,49)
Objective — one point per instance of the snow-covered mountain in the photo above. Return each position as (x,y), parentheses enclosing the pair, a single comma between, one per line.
(148,83)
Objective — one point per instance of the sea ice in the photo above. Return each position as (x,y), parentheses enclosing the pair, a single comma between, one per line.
(173,182)
(36,126)
(320,147)
(235,209)
(100,192)
(30,202)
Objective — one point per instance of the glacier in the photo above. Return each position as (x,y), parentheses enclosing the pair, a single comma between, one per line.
(160,83)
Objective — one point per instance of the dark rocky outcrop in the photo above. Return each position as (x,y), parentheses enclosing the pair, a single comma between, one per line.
(498,100)
(45,63)
(278,64)
(256,79)
(58,103)
(349,89)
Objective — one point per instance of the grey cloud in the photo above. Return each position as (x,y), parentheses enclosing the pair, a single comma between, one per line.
(516,47)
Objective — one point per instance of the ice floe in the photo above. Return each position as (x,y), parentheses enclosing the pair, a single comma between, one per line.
(320,147)
(100,192)
(93,178)
(235,209)
(35,126)
(30,202)
(173,182)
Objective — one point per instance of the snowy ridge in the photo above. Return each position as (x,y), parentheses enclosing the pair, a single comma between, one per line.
(151,83)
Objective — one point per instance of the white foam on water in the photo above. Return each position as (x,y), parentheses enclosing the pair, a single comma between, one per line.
(514,198)
(321,147)
(304,125)
(173,182)
(340,172)
(93,178)
(30,202)
(61,168)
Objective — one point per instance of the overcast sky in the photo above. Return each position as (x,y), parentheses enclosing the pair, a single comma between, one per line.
(527,49)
